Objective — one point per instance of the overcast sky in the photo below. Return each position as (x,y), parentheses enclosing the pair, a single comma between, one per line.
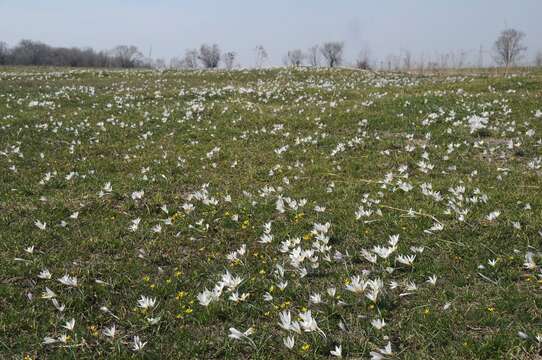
(170,27)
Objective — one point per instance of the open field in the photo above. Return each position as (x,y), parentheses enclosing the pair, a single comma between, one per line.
(227,215)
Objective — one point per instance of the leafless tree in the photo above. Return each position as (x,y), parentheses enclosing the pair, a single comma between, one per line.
(159,64)
(333,53)
(538,59)
(261,56)
(363,60)
(313,56)
(209,56)
(407,60)
(4,53)
(127,56)
(509,47)
(229,59)
(295,57)
(189,60)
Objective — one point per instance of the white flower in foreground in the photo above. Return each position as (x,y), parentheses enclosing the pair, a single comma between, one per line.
(29,249)
(145,302)
(107,187)
(378,323)
(60,307)
(135,225)
(356,285)
(48,294)
(477,123)
(68,280)
(286,322)
(407,260)
(493,215)
(138,345)
(529,263)
(110,331)
(432,280)
(40,225)
(338,352)
(382,352)
(205,297)
(44,274)
(48,340)
(308,323)
(492,262)
(238,335)
(289,342)
(69,325)
(137,195)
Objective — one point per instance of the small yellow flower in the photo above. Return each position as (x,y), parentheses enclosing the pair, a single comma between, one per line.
(490,309)
(93,330)
(306,347)
(426,311)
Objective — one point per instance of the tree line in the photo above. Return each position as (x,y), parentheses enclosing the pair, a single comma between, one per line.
(29,52)
(507,50)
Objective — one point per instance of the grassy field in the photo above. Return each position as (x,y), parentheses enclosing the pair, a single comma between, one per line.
(270,214)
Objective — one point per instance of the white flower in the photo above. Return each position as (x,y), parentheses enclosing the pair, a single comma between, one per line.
(286,322)
(44,274)
(48,294)
(492,262)
(476,123)
(432,280)
(68,280)
(145,302)
(205,297)
(137,195)
(60,307)
(356,285)
(289,342)
(110,331)
(135,224)
(493,215)
(378,323)
(138,345)
(69,324)
(40,225)
(308,323)
(48,340)
(238,335)
(529,263)
(381,352)
(338,352)
(407,260)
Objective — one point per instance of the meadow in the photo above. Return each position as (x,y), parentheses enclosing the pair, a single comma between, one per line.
(270,214)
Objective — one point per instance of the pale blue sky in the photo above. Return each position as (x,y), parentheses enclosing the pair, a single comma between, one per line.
(386,26)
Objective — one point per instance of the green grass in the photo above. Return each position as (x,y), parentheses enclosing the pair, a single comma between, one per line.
(345,132)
